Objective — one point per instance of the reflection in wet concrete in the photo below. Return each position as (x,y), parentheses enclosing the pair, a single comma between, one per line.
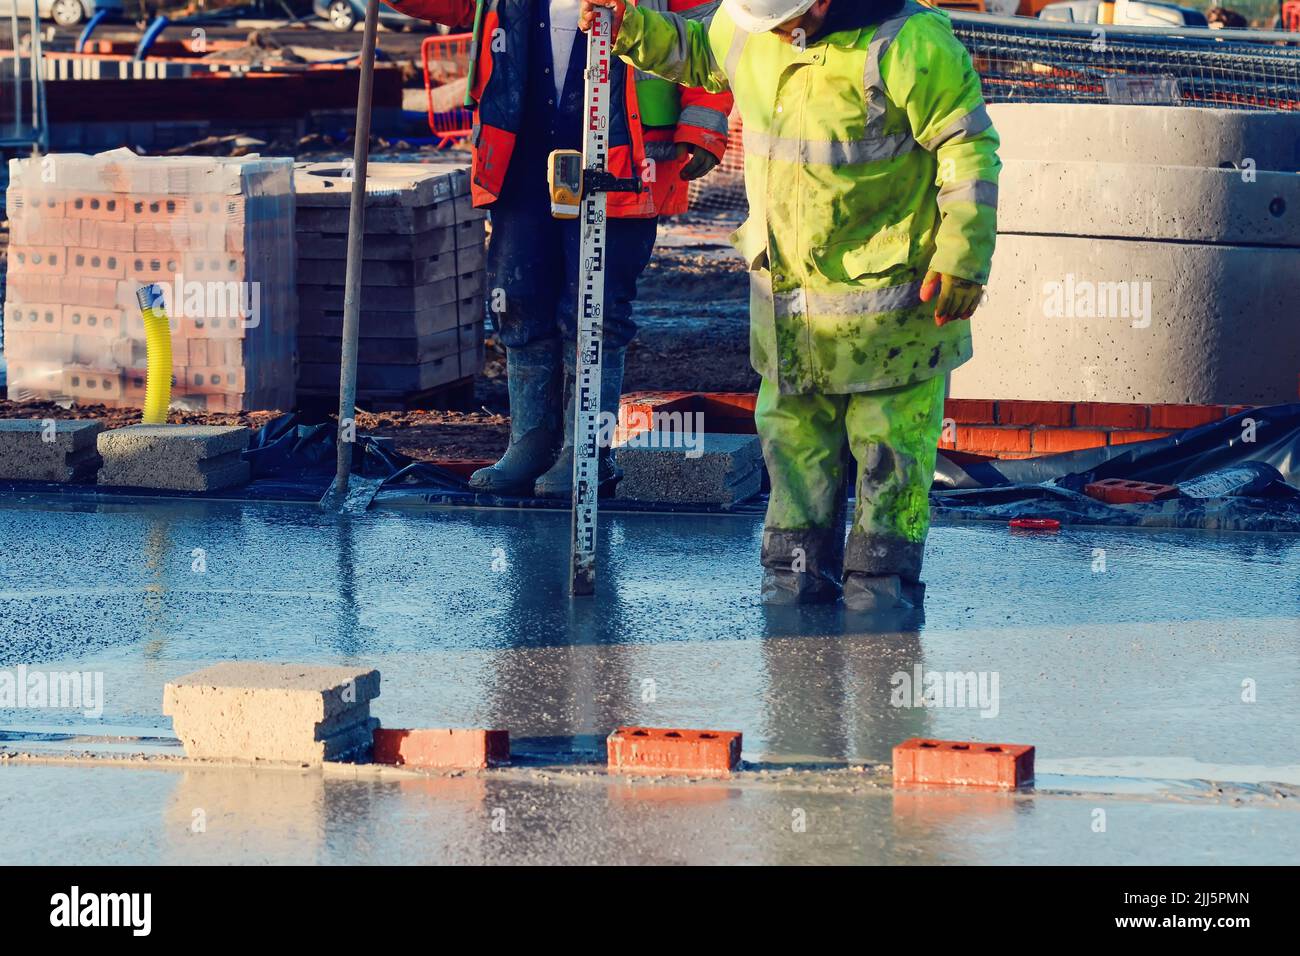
(466,614)
(277,814)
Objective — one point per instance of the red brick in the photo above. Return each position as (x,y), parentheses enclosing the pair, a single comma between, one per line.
(1122,491)
(739,404)
(970,411)
(992,439)
(442,749)
(41,260)
(1110,415)
(963,763)
(156,208)
(92,320)
(1184,416)
(1067,439)
(636,410)
(1128,438)
(108,206)
(1036,413)
(704,753)
(92,382)
(93,262)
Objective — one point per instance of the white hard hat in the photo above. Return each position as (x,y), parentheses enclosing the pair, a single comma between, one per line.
(759,16)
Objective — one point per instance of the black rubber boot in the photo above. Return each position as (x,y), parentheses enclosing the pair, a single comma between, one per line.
(533,375)
(883,572)
(557,482)
(803,566)
(882,592)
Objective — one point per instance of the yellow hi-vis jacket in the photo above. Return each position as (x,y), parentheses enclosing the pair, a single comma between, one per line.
(869,158)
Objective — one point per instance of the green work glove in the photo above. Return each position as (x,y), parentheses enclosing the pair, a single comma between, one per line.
(958,298)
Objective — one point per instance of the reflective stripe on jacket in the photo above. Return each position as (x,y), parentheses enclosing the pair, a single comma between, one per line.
(869,158)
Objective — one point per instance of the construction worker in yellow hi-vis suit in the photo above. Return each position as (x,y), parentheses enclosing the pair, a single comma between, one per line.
(871,171)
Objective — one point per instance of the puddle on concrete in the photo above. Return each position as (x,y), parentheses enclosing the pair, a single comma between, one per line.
(465,614)
(217,816)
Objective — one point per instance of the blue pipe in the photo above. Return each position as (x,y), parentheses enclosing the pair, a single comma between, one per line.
(95,21)
(150,34)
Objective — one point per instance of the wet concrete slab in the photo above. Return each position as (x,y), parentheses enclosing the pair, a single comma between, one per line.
(253,816)
(1138,662)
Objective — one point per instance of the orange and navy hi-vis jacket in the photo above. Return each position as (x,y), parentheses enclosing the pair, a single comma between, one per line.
(498,92)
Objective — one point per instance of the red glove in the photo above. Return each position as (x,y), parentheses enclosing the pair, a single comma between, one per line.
(586,14)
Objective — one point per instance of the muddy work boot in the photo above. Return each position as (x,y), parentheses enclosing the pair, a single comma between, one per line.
(801,567)
(533,375)
(882,592)
(557,482)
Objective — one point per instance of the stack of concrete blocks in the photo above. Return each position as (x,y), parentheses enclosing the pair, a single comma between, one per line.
(174,457)
(275,712)
(423,278)
(33,449)
(719,470)
(1145,254)
(88,231)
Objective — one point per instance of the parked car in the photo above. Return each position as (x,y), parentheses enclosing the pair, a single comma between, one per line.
(1138,13)
(344,15)
(66,13)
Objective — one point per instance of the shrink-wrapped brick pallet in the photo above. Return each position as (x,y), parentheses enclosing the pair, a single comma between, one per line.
(216,233)
(422,283)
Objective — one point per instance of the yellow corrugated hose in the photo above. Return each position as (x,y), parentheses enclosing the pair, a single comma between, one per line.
(158,354)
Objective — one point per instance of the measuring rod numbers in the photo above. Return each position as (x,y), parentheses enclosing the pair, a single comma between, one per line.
(586,453)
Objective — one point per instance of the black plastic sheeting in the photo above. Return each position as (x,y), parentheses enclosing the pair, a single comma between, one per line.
(1237,474)
(1227,481)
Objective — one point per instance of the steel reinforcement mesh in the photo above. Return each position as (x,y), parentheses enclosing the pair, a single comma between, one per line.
(1025,60)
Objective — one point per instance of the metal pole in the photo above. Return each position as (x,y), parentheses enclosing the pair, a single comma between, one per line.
(36,65)
(356,233)
(40,122)
(18,72)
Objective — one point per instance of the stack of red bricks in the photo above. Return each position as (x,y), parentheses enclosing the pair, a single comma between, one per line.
(1022,429)
(88,231)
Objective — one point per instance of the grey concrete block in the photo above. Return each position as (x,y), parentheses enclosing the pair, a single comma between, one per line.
(1220,327)
(1140,201)
(380,221)
(281,712)
(174,457)
(17,434)
(387,184)
(226,471)
(329,296)
(1148,135)
(388,248)
(729,470)
(413,272)
(190,443)
(26,455)
(412,323)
